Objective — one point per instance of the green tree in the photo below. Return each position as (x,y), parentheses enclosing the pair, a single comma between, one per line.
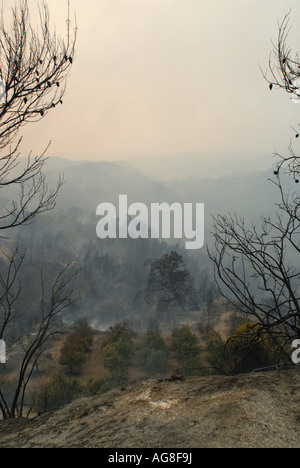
(76,349)
(58,391)
(99,385)
(153,354)
(184,344)
(119,350)
(169,284)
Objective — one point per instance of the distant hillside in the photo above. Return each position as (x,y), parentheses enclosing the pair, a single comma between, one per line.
(112,271)
(89,183)
(201,165)
(257,410)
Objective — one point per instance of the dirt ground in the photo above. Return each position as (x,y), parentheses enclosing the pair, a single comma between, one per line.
(257,410)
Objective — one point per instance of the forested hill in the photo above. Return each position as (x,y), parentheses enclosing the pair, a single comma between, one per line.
(113,277)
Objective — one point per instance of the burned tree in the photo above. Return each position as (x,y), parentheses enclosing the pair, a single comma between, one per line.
(34,66)
(283,73)
(258,267)
(283,68)
(10,289)
(53,300)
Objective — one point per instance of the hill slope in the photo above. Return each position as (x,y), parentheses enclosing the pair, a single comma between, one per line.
(251,410)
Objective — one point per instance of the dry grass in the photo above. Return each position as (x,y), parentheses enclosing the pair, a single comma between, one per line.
(257,410)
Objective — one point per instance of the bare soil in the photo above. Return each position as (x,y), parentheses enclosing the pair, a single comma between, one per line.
(257,410)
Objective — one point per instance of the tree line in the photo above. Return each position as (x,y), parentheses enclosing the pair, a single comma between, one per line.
(183,353)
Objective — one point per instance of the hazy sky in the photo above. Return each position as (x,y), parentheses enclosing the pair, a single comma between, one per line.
(169,76)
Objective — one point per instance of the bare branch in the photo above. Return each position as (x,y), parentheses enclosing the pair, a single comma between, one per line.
(34,66)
